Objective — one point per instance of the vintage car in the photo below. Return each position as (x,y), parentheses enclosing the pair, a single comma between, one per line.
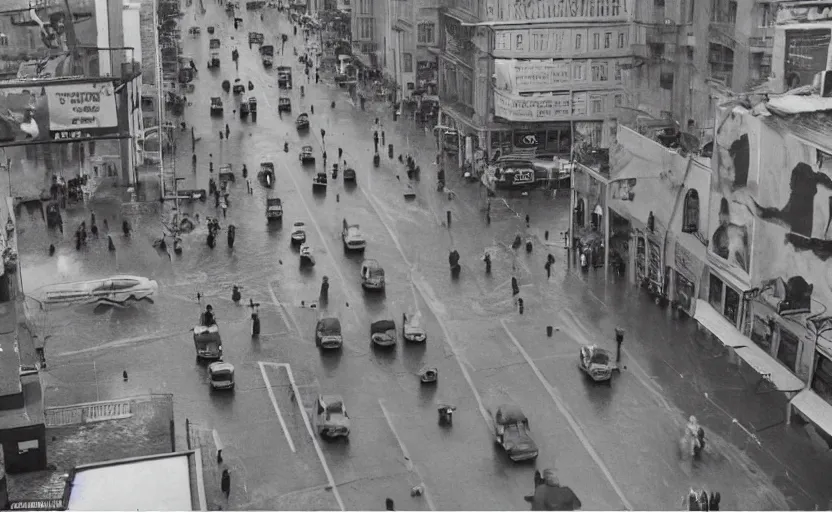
(372,275)
(331,418)
(252,107)
(284,104)
(216,106)
(351,237)
(349,174)
(597,363)
(255,38)
(221,375)
(253,6)
(284,77)
(412,329)
(274,208)
(267,55)
(328,333)
(238,87)
(319,181)
(409,193)
(298,233)
(192,194)
(117,290)
(210,29)
(226,86)
(194,31)
(383,333)
(53,215)
(511,432)
(214,60)
(306,156)
(266,174)
(302,122)
(226,174)
(207,342)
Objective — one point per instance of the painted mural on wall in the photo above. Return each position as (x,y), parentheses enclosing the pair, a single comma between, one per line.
(793,236)
(733,185)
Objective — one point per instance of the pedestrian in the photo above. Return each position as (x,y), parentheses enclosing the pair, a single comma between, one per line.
(383,139)
(225,483)
(224,206)
(311,109)
(527,220)
(548,267)
(515,288)
(317,78)
(216,199)
(220,134)
(324,155)
(375,141)
(227,131)
(340,153)
(388,504)
(106,226)
(323,134)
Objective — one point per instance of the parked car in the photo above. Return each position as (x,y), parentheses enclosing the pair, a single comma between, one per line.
(383,333)
(331,418)
(372,275)
(221,375)
(351,237)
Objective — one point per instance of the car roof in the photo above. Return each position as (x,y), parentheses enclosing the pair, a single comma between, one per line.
(382,325)
(330,322)
(307,147)
(332,400)
(371,263)
(221,366)
(510,414)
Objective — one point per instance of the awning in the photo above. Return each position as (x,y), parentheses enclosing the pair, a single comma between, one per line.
(815,408)
(465,20)
(747,350)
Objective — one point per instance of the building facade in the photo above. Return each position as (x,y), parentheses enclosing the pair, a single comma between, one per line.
(802,42)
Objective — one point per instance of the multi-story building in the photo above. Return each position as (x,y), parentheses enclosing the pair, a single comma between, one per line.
(534,76)
(366,30)
(691,55)
(399,43)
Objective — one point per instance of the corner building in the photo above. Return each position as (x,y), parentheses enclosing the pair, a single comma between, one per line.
(534,76)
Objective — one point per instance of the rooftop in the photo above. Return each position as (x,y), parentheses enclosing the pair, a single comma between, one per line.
(145,433)
(32,410)
(148,483)
(9,355)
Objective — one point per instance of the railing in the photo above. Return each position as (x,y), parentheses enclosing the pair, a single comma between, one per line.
(761,42)
(102,411)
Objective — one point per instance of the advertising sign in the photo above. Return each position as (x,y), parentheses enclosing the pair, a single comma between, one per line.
(807,53)
(555,10)
(43,33)
(525,140)
(530,75)
(33,112)
(551,107)
(36,505)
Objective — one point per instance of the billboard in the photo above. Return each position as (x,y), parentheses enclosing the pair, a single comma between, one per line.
(39,35)
(56,111)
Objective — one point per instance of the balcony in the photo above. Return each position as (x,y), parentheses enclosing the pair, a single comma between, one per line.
(662,34)
(760,43)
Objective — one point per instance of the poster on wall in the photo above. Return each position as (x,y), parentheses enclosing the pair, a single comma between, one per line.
(734,180)
(31,112)
(807,53)
(38,37)
(793,209)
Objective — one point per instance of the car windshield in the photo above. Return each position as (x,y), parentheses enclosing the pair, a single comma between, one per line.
(221,375)
(600,358)
(353,231)
(330,326)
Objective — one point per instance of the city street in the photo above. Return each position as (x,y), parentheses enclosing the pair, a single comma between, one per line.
(616,446)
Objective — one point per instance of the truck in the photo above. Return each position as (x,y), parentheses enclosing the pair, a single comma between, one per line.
(284,77)
(207,342)
(274,208)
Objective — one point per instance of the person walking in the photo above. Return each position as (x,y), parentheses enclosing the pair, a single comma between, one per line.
(227,130)
(375,140)
(225,483)
(323,135)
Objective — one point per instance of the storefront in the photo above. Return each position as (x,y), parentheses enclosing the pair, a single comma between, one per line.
(426,74)
(724,297)
(551,139)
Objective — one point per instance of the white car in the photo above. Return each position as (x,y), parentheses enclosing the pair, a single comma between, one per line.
(412,329)
(298,233)
(352,237)
(331,418)
(114,291)
(221,375)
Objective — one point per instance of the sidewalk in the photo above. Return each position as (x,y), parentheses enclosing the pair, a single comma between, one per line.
(203,439)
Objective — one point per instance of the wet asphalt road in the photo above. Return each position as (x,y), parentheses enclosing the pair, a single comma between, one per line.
(615,446)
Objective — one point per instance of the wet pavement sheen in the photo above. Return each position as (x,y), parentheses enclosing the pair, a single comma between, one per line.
(615,446)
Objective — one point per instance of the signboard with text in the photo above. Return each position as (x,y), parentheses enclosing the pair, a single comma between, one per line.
(534,108)
(33,111)
(579,42)
(555,10)
(530,75)
(46,504)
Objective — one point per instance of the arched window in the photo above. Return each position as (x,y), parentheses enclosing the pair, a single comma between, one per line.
(690,217)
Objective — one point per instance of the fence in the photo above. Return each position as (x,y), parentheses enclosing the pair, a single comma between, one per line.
(107,410)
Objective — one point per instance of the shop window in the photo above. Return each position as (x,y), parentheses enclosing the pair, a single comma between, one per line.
(685,292)
(715,292)
(690,218)
(732,305)
(761,333)
(822,378)
(788,348)
(408,62)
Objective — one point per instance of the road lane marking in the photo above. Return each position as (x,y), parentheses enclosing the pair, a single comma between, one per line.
(125,342)
(306,422)
(409,462)
(276,407)
(314,221)
(573,424)
(284,311)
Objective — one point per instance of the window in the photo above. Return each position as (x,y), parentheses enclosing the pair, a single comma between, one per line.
(787,351)
(621,36)
(617,74)
(540,42)
(616,7)
(767,15)
(466,90)
(578,71)
(690,215)
(596,104)
(25,446)
(426,33)
(659,3)
(761,334)
(607,39)
(600,71)
(732,305)
(365,29)
(407,62)
(618,100)
(822,378)
(596,41)
(715,292)
(666,80)
(721,61)
(365,7)
(518,43)
(578,41)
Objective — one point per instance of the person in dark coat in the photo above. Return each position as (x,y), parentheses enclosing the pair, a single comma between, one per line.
(550,495)
(225,483)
